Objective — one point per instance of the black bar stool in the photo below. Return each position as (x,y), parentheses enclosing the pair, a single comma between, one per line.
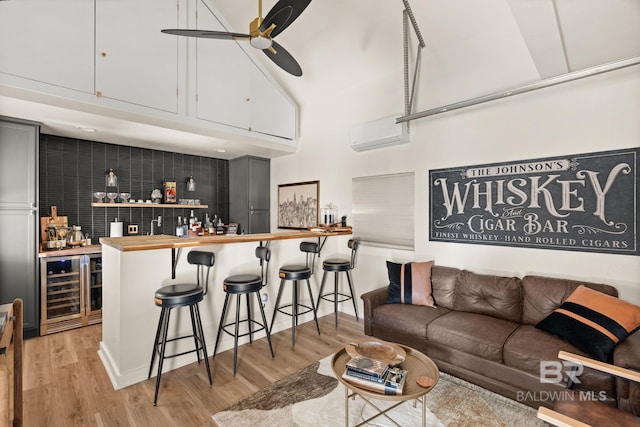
(337,265)
(297,273)
(245,284)
(182,295)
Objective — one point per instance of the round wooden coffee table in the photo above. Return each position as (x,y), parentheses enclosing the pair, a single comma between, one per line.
(416,364)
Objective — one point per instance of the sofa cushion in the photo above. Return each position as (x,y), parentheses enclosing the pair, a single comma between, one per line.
(496,296)
(476,334)
(443,282)
(406,319)
(410,283)
(542,295)
(592,321)
(527,346)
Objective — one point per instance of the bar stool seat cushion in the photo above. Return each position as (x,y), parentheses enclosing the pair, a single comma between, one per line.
(242,284)
(179,295)
(336,264)
(295,272)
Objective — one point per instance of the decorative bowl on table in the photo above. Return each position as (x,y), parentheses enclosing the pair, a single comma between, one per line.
(100,196)
(112,197)
(384,351)
(125,197)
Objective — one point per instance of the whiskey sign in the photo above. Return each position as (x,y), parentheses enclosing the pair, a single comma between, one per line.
(579,202)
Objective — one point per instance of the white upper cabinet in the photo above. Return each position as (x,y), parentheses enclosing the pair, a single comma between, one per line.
(37,44)
(222,76)
(271,112)
(135,62)
(232,89)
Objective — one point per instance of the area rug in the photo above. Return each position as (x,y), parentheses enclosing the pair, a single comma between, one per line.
(313,397)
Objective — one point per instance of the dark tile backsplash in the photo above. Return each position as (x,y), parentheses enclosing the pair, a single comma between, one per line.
(71,170)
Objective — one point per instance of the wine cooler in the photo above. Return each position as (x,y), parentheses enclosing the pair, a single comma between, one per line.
(71,292)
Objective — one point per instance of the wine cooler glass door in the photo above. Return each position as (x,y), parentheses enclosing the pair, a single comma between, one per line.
(62,291)
(94,289)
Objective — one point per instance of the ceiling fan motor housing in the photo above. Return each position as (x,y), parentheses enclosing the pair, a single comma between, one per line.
(259,39)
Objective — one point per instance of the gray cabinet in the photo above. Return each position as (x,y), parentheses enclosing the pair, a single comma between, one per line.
(19,218)
(249,193)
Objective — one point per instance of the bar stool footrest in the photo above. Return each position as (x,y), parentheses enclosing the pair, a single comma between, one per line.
(193,350)
(306,310)
(261,327)
(345,297)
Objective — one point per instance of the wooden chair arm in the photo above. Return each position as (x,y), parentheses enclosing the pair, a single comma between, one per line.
(600,366)
(557,419)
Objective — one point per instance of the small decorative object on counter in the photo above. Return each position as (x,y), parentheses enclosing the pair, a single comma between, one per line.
(76,238)
(156,196)
(170,193)
(328,215)
(179,229)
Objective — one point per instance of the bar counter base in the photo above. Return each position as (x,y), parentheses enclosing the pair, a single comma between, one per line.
(130,316)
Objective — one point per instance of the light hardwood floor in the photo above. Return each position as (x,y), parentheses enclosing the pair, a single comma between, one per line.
(65,383)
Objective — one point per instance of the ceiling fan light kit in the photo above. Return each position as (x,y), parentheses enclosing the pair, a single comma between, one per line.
(261,32)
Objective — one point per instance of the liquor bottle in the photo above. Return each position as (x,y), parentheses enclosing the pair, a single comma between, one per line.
(185,228)
(179,229)
(207,224)
(192,219)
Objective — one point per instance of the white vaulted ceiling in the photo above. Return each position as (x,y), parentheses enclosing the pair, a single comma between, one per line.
(473,48)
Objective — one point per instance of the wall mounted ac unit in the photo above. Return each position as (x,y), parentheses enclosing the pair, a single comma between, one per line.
(379,133)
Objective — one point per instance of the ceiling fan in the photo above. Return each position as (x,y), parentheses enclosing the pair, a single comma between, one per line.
(262,32)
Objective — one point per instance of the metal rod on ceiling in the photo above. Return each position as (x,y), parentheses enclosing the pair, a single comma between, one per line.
(414,23)
(552,81)
(409,94)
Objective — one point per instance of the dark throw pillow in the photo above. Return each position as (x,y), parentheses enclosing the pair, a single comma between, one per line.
(410,283)
(592,321)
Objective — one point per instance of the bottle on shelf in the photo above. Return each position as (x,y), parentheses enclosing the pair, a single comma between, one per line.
(179,229)
(207,224)
(192,219)
(185,228)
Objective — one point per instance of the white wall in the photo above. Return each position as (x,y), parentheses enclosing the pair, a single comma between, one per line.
(593,114)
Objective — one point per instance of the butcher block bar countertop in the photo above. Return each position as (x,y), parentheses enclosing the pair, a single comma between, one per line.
(79,250)
(162,241)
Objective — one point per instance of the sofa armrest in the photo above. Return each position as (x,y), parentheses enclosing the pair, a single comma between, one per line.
(627,355)
(372,299)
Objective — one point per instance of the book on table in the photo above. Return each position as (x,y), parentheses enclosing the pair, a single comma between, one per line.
(368,366)
(392,383)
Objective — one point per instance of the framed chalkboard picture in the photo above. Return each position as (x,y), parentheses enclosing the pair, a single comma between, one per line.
(298,205)
(576,202)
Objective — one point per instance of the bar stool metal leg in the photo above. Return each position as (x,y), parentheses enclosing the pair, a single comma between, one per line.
(250,323)
(335,297)
(294,312)
(353,299)
(313,306)
(221,325)
(264,322)
(277,304)
(200,330)
(194,329)
(163,347)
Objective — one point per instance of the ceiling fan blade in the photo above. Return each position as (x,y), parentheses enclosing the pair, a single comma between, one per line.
(223,35)
(283,59)
(283,14)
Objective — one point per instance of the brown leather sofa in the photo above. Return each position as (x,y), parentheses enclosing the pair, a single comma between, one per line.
(483,331)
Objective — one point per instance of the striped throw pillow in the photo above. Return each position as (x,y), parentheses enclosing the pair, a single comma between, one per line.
(592,321)
(410,283)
